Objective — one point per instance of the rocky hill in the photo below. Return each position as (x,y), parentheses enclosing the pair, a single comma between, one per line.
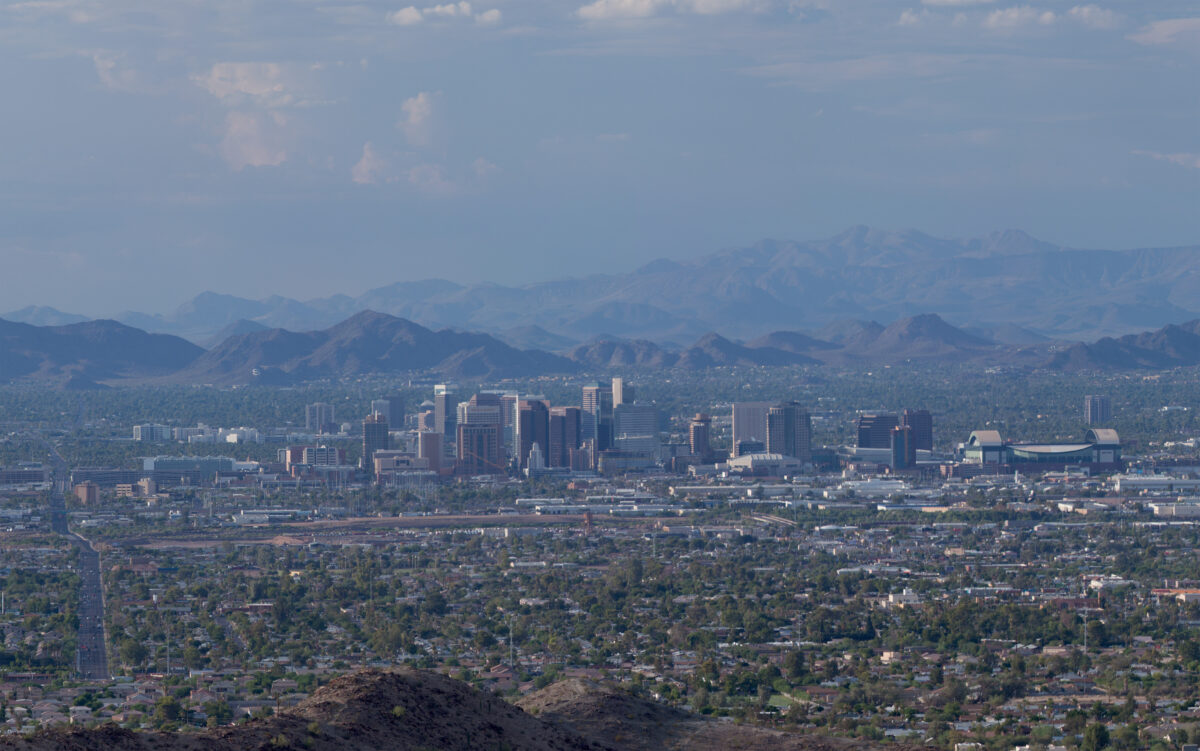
(88,352)
(367,343)
(406,710)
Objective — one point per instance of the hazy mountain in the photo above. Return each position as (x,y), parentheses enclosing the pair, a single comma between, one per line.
(240,326)
(609,352)
(41,315)
(862,273)
(368,342)
(535,337)
(1169,347)
(714,350)
(791,341)
(81,353)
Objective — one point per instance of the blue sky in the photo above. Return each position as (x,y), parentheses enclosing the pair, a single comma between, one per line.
(153,150)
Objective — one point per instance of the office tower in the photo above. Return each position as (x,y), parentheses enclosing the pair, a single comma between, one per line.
(478,433)
(445,416)
(479,449)
(789,431)
(904,449)
(597,416)
(875,430)
(1097,410)
(319,417)
(391,407)
(533,426)
(622,393)
(921,423)
(749,423)
(375,438)
(429,447)
(152,433)
(509,400)
(636,428)
(699,431)
(564,435)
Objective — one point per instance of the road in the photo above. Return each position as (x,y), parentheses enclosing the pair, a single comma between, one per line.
(91,657)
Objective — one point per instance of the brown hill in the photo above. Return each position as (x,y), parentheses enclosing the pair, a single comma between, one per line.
(405,710)
(612,716)
(371,710)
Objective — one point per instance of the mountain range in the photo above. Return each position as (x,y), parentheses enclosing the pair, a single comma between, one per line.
(1006,287)
(94,353)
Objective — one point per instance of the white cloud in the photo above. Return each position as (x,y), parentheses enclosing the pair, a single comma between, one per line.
(1182,159)
(1168,31)
(488,17)
(369,168)
(483,168)
(956,3)
(412,15)
(406,16)
(112,71)
(417,122)
(431,178)
(262,82)
(253,140)
(610,10)
(1095,17)
(911,18)
(1017,17)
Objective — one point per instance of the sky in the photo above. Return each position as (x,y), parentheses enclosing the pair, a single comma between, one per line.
(154,150)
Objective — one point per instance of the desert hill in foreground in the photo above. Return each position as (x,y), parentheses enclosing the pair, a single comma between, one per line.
(406,709)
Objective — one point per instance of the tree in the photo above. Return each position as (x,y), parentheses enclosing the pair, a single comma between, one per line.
(1095,738)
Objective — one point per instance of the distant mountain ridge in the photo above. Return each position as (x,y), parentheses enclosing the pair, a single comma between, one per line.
(85,355)
(1006,279)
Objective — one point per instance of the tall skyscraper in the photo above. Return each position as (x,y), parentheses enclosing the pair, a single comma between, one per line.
(699,437)
(875,430)
(749,423)
(564,435)
(533,426)
(636,428)
(597,416)
(1097,410)
(479,431)
(789,431)
(445,414)
(391,407)
(318,417)
(622,393)
(904,449)
(921,423)
(375,438)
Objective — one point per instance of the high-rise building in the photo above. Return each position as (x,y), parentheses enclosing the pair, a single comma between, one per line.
(319,418)
(1097,410)
(391,407)
(445,400)
(564,435)
(749,424)
(479,431)
(375,438)
(636,428)
(875,430)
(533,426)
(904,448)
(479,449)
(597,416)
(789,431)
(622,393)
(429,447)
(921,423)
(699,437)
